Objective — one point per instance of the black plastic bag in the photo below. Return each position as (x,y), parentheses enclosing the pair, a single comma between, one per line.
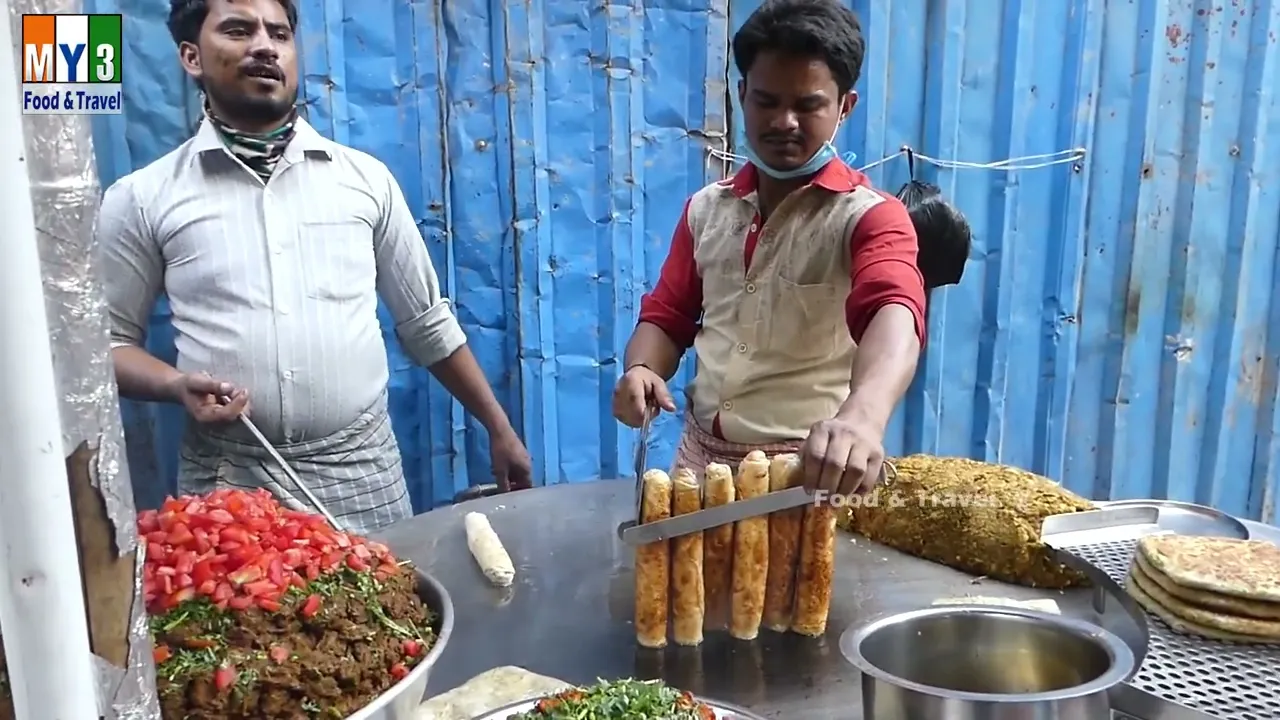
(943,233)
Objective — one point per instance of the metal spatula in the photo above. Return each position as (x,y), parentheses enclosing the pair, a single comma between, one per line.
(645,533)
(637,533)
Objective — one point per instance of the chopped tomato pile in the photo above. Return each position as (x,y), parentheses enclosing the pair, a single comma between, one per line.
(242,549)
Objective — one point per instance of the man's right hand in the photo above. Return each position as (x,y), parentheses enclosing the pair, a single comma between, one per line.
(201,395)
(637,389)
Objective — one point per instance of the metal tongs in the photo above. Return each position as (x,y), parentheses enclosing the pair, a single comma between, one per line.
(642,453)
(285,466)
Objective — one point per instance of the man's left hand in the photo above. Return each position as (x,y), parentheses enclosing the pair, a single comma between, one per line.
(843,455)
(512,466)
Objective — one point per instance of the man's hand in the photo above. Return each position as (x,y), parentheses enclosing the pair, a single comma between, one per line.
(843,455)
(200,394)
(637,389)
(512,466)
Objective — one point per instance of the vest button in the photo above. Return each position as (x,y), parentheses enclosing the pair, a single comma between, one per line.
(727,405)
(751,287)
(742,347)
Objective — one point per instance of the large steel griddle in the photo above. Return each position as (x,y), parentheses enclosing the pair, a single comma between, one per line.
(568,615)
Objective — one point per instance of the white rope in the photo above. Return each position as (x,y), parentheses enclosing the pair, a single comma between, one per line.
(1025,162)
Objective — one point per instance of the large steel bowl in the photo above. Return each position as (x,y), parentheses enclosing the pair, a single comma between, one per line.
(402,700)
(980,662)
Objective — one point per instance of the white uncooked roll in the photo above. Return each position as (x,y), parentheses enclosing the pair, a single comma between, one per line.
(487,549)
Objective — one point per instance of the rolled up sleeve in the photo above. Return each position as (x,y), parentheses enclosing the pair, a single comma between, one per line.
(407,282)
(675,304)
(884,270)
(132,264)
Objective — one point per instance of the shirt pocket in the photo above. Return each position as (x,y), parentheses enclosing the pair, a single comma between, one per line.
(804,320)
(337,260)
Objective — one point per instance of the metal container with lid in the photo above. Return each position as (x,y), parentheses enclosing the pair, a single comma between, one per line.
(979,662)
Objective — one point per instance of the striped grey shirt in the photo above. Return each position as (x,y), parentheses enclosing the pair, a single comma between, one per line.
(274,287)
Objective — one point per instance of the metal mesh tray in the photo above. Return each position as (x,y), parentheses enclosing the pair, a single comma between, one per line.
(1222,679)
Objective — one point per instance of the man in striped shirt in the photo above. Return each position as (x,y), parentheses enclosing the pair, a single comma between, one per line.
(273,244)
(795,280)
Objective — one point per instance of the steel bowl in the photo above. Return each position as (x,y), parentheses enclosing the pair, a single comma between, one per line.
(401,701)
(981,662)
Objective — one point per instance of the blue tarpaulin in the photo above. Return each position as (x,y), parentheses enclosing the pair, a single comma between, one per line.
(1116,328)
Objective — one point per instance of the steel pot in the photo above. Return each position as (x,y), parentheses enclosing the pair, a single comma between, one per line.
(981,662)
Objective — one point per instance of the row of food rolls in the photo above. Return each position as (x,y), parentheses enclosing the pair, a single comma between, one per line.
(773,570)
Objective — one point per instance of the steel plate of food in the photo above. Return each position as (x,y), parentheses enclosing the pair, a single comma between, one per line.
(631,699)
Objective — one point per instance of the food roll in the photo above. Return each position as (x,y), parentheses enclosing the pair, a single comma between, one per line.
(653,565)
(784,545)
(750,551)
(687,599)
(717,550)
(817,564)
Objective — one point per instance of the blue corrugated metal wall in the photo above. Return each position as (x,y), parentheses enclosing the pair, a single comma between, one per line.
(547,146)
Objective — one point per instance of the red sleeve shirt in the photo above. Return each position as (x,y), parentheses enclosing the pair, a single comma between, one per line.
(883,272)
(675,304)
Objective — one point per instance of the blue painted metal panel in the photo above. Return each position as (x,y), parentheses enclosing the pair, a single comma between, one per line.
(604,118)
(1179,268)
(1116,328)
(523,150)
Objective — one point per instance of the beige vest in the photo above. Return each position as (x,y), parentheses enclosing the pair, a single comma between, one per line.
(774,353)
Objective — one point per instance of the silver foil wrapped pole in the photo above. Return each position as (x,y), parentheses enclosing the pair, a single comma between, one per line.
(65,195)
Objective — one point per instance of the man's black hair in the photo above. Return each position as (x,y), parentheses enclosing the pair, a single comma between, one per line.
(942,231)
(186,17)
(804,28)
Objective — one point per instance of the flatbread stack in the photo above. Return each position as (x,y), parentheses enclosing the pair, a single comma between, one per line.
(773,571)
(1215,588)
(976,517)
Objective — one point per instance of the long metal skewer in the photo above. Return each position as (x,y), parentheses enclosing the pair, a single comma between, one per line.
(288,469)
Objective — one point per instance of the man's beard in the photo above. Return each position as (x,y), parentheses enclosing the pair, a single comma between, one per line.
(251,110)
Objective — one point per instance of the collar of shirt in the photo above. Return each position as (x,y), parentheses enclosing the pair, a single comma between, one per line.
(306,141)
(836,176)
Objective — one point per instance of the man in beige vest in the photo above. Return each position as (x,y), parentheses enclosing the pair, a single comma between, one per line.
(795,280)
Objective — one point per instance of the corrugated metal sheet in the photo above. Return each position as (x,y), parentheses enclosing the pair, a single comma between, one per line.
(546,147)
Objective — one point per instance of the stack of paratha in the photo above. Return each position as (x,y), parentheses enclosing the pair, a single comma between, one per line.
(1216,588)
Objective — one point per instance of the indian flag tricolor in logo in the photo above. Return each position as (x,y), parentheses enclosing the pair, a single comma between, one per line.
(71,49)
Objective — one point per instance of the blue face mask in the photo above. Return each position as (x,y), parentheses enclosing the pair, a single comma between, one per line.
(820,159)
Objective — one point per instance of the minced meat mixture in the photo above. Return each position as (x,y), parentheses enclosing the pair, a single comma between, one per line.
(362,638)
(262,612)
(298,663)
(973,516)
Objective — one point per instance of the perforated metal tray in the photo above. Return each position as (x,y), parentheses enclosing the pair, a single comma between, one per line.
(1220,679)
